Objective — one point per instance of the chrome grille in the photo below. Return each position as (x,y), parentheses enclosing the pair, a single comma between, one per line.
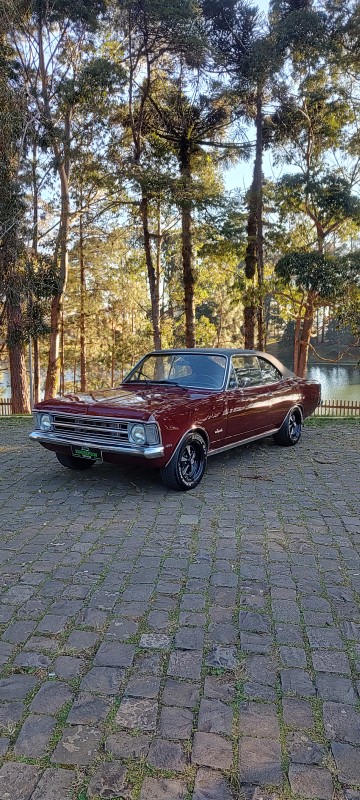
(93,429)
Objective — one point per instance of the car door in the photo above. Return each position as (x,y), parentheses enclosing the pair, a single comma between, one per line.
(283,392)
(248,407)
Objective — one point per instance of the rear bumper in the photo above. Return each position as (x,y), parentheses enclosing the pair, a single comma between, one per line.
(147,451)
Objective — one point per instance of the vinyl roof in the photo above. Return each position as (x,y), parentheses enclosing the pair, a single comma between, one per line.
(226,351)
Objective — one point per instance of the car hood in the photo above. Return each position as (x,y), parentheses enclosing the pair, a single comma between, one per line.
(129,401)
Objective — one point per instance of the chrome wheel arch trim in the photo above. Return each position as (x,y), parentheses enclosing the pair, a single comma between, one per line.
(296,407)
(196,429)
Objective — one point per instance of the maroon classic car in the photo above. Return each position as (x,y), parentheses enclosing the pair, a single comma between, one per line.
(177,407)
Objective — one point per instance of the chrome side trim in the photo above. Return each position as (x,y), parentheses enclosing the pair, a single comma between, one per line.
(149,451)
(242,441)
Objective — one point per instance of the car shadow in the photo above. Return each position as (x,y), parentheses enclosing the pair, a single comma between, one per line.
(133,480)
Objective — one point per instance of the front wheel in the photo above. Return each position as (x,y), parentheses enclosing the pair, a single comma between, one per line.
(188,464)
(74,463)
(290,431)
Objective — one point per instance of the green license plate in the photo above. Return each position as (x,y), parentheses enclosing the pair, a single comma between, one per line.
(86,452)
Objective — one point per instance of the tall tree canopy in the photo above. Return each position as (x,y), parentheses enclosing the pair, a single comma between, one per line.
(119,123)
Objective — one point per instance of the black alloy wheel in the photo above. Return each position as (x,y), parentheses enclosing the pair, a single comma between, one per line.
(294,426)
(188,464)
(290,431)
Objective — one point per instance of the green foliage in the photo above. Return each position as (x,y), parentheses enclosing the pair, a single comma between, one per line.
(77,11)
(327,196)
(225,234)
(97,78)
(312,121)
(302,29)
(175,26)
(313,272)
(348,308)
(40,277)
(147,100)
(234,26)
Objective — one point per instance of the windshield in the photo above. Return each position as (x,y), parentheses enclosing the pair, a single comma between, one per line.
(200,371)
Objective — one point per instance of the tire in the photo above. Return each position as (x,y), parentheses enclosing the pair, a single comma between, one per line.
(290,431)
(188,464)
(74,463)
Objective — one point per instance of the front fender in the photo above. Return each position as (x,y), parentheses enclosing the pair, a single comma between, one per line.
(192,429)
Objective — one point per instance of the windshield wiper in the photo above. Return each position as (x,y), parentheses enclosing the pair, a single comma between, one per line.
(171,383)
(151,382)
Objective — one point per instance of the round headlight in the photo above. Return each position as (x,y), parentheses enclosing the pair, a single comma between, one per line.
(45,422)
(137,434)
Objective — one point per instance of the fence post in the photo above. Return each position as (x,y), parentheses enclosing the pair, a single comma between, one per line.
(338,408)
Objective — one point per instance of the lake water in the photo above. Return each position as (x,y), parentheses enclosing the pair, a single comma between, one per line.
(337,382)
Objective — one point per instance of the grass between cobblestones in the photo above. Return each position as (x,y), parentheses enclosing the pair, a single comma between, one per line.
(255,523)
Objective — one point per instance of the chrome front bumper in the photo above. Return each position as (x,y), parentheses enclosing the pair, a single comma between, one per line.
(147,451)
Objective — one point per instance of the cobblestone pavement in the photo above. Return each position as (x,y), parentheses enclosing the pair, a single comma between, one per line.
(157,645)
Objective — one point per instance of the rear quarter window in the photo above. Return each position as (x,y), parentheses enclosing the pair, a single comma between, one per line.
(269,372)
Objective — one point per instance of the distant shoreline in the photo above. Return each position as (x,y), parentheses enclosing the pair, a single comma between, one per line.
(328,353)
(320,363)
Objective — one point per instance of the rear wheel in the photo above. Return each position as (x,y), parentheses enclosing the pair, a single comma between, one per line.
(188,464)
(74,463)
(290,431)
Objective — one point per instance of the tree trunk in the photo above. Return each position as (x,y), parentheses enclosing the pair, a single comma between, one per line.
(158,266)
(258,186)
(136,124)
(254,258)
(307,325)
(323,326)
(297,332)
(152,276)
(82,305)
(303,328)
(186,247)
(188,277)
(220,326)
(112,375)
(35,198)
(18,375)
(36,366)
(36,370)
(249,325)
(52,375)
(267,317)
(62,355)
(62,160)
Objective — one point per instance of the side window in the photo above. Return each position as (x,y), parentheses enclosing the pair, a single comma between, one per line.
(269,373)
(247,371)
(233,384)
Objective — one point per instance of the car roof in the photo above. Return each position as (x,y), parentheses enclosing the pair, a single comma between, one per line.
(226,351)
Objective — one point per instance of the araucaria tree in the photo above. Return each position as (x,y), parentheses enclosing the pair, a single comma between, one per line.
(189,126)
